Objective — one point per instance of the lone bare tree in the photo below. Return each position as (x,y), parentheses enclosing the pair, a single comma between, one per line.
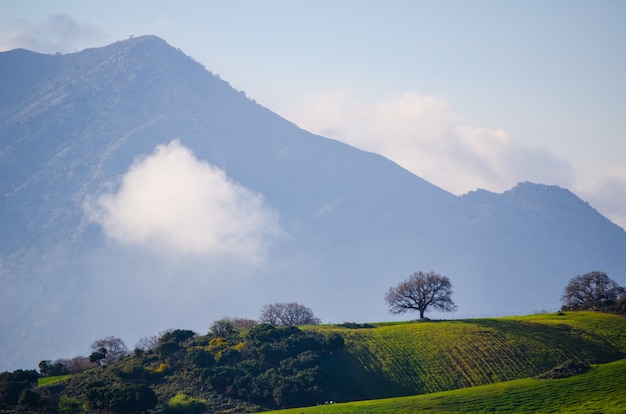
(593,290)
(420,292)
(288,314)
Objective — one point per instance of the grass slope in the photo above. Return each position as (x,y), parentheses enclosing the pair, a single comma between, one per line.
(405,359)
(51,380)
(425,357)
(600,390)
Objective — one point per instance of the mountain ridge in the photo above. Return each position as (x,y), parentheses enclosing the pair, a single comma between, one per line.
(75,125)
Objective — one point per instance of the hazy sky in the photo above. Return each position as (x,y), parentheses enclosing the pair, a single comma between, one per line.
(465,94)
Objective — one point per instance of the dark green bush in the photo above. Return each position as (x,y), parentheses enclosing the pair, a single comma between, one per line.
(12,384)
(121,398)
(69,405)
(567,369)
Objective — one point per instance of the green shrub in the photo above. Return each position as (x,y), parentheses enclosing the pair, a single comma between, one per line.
(121,398)
(12,384)
(184,404)
(69,405)
(567,369)
(354,325)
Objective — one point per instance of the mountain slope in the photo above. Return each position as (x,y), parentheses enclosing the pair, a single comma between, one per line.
(544,235)
(344,224)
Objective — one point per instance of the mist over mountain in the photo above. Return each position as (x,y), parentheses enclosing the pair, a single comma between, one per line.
(141,192)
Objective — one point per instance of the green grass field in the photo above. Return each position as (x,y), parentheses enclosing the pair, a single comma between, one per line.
(412,358)
(601,390)
(483,365)
(51,380)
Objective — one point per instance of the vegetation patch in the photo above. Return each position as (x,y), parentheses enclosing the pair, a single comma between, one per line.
(565,370)
(183,404)
(426,357)
(600,390)
(354,325)
(255,368)
(43,381)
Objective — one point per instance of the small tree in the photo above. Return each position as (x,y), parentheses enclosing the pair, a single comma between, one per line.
(114,350)
(420,292)
(288,314)
(147,343)
(49,369)
(243,323)
(172,342)
(98,357)
(76,364)
(593,290)
(222,328)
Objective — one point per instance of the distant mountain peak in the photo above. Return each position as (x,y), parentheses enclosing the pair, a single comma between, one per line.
(540,197)
(531,197)
(74,126)
(146,41)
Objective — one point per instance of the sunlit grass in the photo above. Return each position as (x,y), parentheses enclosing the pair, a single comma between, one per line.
(591,325)
(51,380)
(398,359)
(599,390)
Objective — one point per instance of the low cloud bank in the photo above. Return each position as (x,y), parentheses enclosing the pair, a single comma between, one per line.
(424,135)
(57,33)
(171,201)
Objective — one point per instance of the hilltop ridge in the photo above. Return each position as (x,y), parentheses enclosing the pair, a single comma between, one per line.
(264,367)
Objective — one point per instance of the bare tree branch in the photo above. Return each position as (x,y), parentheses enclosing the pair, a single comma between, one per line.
(593,290)
(288,314)
(419,292)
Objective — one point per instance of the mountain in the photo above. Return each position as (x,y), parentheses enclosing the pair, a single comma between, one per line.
(140,192)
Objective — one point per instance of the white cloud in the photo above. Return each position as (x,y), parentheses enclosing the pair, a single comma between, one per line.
(424,135)
(174,202)
(606,192)
(58,33)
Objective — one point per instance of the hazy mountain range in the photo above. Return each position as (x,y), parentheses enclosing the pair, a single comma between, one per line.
(141,192)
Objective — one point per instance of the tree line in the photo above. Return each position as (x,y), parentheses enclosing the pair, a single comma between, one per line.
(266,363)
(420,292)
(424,291)
(269,362)
(262,366)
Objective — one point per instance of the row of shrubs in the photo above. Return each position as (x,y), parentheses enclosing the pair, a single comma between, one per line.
(263,366)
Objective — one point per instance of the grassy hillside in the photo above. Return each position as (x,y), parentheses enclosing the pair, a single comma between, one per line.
(426,357)
(51,380)
(266,367)
(600,390)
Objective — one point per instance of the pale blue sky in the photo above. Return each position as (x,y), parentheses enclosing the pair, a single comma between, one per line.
(465,94)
